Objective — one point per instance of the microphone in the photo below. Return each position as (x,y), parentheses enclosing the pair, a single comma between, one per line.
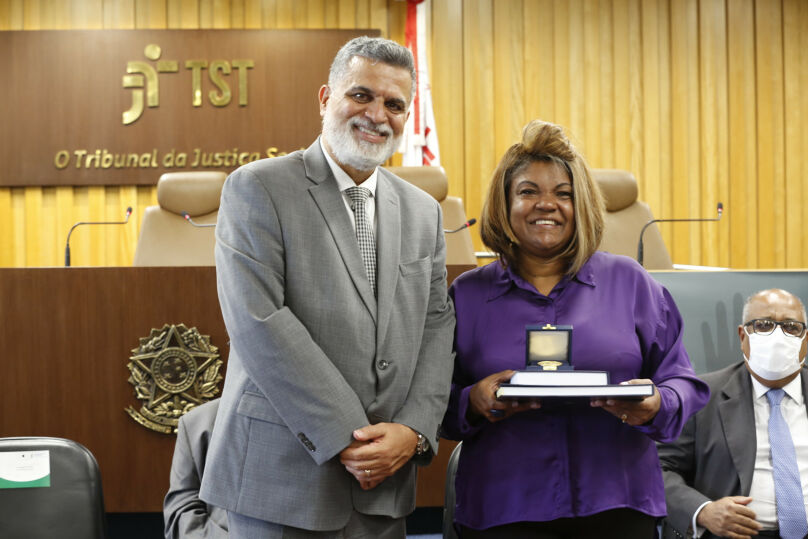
(467,224)
(719,210)
(67,243)
(197,225)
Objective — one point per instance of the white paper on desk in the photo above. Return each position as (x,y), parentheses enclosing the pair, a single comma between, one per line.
(24,469)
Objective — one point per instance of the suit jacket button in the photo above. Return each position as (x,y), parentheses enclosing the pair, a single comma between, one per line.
(306,442)
(383,364)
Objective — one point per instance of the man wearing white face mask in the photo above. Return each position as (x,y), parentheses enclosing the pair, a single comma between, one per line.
(740,467)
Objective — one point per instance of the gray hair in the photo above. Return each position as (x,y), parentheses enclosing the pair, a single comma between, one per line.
(745,314)
(376,49)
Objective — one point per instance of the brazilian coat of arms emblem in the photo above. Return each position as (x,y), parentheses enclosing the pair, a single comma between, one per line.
(173,370)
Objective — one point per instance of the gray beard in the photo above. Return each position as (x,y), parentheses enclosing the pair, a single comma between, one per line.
(358,154)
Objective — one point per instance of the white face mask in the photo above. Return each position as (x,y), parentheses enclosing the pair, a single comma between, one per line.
(774,356)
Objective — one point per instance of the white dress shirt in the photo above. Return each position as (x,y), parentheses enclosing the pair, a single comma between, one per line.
(795,415)
(344,182)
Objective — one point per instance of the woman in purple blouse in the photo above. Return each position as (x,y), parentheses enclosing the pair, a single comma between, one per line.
(535,469)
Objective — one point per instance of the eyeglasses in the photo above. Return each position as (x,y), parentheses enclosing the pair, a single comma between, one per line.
(765,326)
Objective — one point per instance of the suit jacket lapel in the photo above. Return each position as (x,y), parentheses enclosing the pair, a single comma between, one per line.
(332,207)
(388,252)
(738,420)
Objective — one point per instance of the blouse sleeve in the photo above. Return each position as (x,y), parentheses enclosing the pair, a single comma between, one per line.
(666,363)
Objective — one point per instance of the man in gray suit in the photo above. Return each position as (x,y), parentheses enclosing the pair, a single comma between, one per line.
(721,476)
(185,515)
(341,329)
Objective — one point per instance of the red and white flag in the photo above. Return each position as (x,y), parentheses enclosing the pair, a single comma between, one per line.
(420,142)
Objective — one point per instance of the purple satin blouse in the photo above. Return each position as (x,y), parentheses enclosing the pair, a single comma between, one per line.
(567,460)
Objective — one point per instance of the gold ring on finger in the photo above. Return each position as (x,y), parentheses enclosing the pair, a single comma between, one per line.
(623,418)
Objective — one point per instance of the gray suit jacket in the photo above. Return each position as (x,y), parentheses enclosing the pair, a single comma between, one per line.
(185,515)
(715,454)
(313,354)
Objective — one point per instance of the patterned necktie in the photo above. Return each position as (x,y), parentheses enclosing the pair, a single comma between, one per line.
(787,487)
(364,233)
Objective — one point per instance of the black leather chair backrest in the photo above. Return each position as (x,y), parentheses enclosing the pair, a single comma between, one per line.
(72,507)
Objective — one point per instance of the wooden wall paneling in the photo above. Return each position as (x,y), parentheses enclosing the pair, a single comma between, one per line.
(796,237)
(129,234)
(362,14)
(508,104)
(561,73)
(621,52)
(71,330)
(331,14)
(741,211)
(605,55)
(539,58)
(237,14)
(253,14)
(284,14)
(118,14)
(714,121)
(574,71)
(149,14)
(183,14)
(739,140)
(715,250)
(113,235)
(18,212)
(272,11)
(88,14)
(32,215)
(378,18)
(770,121)
(651,187)
(299,14)
(31,15)
(589,81)
(478,61)
(394,28)
(635,95)
(222,12)
(121,243)
(322,14)
(80,239)
(269,10)
(173,14)
(7,244)
(685,158)
(48,227)
(206,16)
(96,206)
(229,13)
(447,78)
(347,13)
(665,111)
(803,113)
(11,15)
(396,21)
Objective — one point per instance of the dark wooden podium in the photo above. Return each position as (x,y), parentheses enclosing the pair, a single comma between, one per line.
(66,335)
